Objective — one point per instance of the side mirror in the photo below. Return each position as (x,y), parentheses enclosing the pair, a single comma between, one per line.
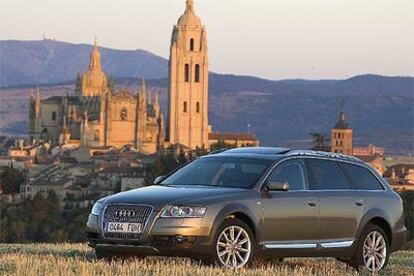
(277,186)
(159,179)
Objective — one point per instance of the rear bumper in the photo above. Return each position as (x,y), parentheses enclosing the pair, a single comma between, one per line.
(399,239)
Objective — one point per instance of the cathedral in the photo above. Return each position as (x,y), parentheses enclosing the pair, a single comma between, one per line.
(97,116)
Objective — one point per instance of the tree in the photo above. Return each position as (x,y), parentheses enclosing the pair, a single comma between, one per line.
(78,85)
(11,179)
(320,142)
(221,145)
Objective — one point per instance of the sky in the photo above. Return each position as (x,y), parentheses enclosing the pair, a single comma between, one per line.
(274,39)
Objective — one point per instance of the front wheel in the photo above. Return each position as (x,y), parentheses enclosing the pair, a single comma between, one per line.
(234,244)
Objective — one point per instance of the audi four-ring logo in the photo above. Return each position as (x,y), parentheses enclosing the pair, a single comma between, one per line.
(123,213)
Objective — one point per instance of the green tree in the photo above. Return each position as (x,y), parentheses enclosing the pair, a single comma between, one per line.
(221,145)
(11,179)
(320,142)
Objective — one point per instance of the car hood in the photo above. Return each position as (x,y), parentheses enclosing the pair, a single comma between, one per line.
(159,196)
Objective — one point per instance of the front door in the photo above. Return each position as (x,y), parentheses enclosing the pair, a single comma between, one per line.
(291,218)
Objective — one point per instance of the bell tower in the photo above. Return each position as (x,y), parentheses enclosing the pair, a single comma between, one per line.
(188,82)
(342,135)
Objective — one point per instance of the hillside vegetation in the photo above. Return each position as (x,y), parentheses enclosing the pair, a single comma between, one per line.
(78,259)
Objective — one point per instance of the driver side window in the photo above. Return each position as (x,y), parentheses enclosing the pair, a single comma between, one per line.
(292,172)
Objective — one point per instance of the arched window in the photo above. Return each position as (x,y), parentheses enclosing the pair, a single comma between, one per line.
(185,107)
(96,135)
(187,72)
(124,114)
(197,73)
(192,45)
(198,107)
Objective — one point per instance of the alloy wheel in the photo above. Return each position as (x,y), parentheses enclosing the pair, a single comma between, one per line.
(374,251)
(233,247)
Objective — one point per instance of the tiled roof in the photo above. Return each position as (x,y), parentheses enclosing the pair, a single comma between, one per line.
(231,136)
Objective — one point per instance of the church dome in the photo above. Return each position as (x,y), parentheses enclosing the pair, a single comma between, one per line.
(189,18)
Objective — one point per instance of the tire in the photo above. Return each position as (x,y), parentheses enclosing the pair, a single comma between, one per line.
(234,244)
(373,256)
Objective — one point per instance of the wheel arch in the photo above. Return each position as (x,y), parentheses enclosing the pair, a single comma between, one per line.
(376,217)
(240,212)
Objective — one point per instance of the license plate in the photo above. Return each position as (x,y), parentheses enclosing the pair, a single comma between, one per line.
(118,227)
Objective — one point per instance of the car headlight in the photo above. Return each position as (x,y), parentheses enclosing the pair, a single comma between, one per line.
(97,208)
(183,212)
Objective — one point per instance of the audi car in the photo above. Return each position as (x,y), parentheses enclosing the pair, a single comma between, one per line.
(230,207)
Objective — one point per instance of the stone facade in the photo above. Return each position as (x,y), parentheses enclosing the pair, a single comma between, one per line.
(188,88)
(96,116)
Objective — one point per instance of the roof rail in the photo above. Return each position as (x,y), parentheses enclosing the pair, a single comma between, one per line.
(259,150)
(324,154)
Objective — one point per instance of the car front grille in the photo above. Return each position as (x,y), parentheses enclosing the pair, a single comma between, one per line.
(134,214)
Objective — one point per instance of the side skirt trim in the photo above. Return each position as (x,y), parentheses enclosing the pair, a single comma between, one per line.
(341,244)
(291,246)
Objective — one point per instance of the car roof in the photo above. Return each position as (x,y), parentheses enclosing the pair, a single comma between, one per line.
(279,153)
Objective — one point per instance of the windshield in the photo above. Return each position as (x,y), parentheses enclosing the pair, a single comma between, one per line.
(219,171)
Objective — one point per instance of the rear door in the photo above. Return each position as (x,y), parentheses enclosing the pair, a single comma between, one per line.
(341,207)
(291,217)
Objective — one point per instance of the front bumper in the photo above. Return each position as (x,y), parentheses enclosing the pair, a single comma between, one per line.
(161,236)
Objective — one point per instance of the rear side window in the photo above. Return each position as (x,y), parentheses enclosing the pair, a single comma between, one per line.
(326,175)
(361,178)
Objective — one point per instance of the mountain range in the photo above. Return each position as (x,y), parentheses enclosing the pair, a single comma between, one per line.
(280,113)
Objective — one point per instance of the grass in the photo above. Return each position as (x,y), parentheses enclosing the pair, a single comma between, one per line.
(78,259)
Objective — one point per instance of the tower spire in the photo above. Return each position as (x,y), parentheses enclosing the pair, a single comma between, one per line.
(95,44)
(95,61)
(189,6)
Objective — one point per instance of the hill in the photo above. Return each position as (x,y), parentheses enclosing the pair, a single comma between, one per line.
(78,259)
(280,112)
(50,61)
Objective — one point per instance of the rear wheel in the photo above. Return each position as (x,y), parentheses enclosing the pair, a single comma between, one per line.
(373,249)
(234,244)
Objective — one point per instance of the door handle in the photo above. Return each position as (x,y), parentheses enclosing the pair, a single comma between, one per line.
(312,203)
(359,203)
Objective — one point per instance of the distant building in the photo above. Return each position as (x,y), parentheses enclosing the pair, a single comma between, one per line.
(130,183)
(46,185)
(188,123)
(235,139)
(97,116)
(342,136)
(400,174)
(342,142)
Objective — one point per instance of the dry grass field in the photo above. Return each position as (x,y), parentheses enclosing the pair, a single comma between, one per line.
(78,259)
